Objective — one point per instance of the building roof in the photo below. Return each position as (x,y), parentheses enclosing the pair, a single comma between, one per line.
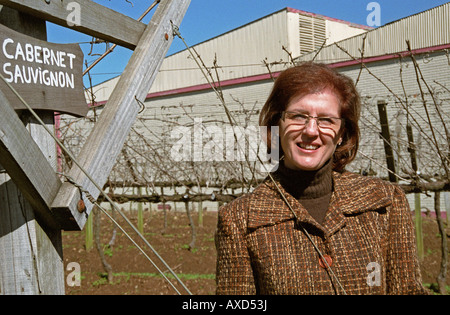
(361,26)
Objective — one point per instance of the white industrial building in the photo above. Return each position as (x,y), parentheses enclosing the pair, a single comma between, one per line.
(243,63)
(241,52)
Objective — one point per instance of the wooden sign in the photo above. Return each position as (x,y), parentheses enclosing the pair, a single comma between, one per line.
(48,76)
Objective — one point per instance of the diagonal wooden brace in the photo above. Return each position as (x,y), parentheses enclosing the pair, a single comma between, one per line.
(27,166)
(106,140)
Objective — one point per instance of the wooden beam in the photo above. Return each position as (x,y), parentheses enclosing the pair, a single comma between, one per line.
(95,19)
(26,164)
(386,136)
(106,140)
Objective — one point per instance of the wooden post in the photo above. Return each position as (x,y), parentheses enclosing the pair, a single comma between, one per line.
(164,210)
(442,277)
(418,226)
(417,205)
(140,213)
(200,209)
(447,208)
(200,213)
(191,222)
(31,255)
(386,136)
(89,234)
(30,252)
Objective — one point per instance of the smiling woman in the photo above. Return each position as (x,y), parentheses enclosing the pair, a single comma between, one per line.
(312,227)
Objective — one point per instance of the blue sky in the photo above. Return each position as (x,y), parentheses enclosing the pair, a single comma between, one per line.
(209,18)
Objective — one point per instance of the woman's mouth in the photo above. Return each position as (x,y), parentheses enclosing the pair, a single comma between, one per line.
(307,146)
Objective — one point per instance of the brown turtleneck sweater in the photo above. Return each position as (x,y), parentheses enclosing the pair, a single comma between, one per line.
(312,189)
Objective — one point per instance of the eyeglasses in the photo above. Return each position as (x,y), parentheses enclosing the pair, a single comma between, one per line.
(302,119)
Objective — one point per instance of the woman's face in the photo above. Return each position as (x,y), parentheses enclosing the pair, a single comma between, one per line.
(308,143)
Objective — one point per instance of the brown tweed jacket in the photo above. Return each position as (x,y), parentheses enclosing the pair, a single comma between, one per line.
(367,232)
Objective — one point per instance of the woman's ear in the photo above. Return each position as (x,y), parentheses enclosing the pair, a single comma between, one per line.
(341,137)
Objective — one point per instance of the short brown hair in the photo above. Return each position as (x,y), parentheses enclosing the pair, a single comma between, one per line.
(310,78)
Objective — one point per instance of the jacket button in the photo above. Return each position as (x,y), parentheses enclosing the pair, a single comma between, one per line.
(328,260)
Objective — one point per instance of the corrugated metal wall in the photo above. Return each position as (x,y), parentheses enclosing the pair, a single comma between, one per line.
(426,29)
(239,53)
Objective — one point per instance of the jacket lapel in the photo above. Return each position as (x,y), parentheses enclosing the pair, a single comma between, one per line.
(267,207)
(358,194)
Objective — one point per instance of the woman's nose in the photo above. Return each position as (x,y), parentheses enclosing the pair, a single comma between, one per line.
(311,127)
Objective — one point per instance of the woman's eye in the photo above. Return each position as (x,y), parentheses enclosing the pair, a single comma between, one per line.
(299,117)
(326,120)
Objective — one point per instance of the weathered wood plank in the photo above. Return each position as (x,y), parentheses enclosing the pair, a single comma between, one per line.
(30,251)
(26,164)
(17,272)
(105,142)
(95,19)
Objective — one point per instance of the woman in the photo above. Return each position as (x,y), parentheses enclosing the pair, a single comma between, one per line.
(312,227)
